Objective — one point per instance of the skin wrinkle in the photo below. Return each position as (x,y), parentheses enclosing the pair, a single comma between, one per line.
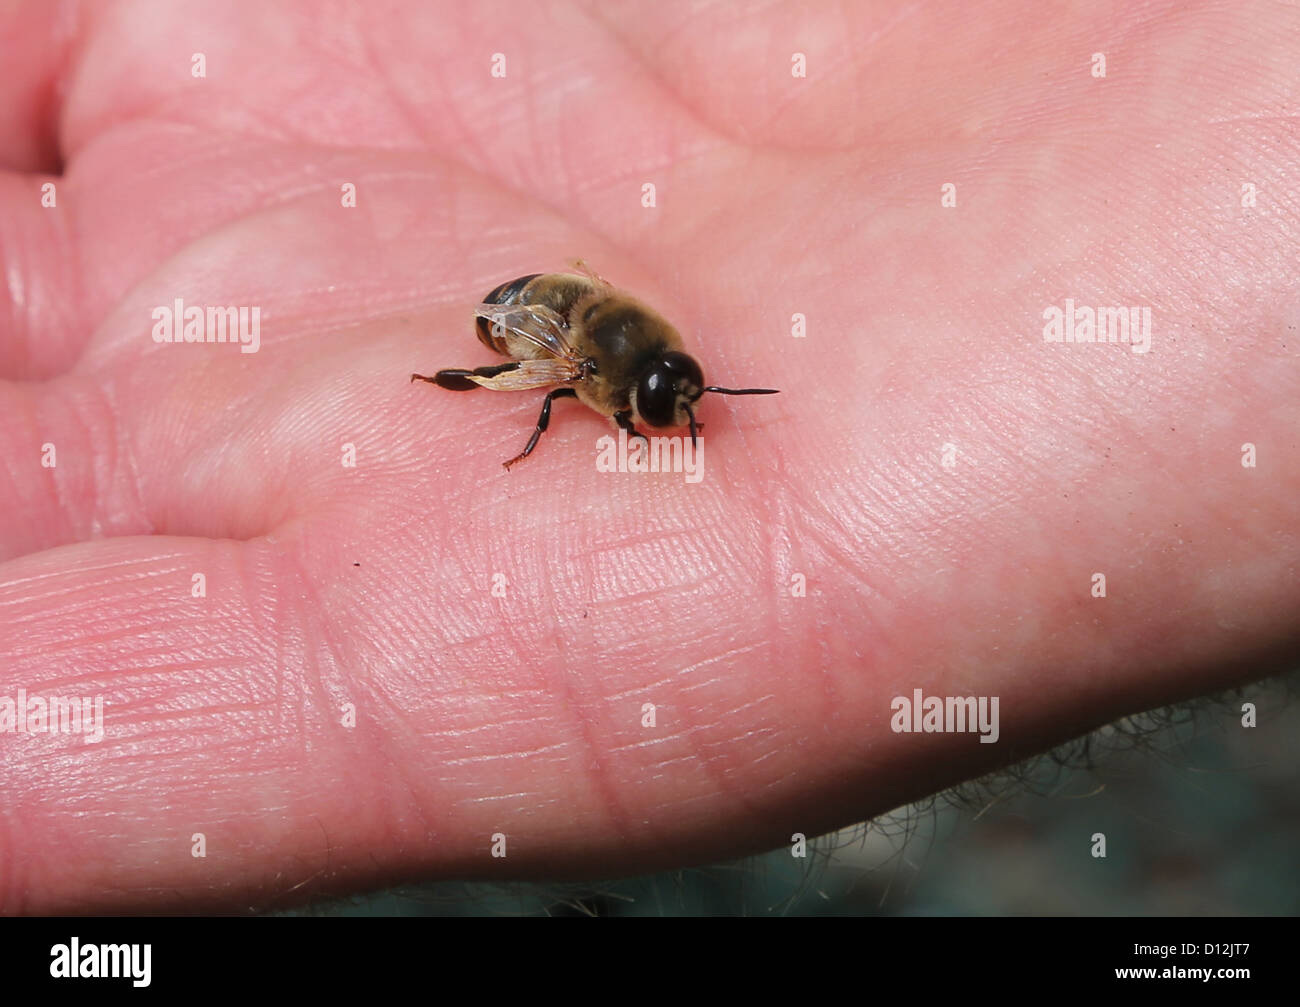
(312,676)
(672,742)
(599,773)
(719,767)
(378,71)
(710,125)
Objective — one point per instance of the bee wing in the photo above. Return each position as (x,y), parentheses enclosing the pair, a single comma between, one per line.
(539,325)
(522,375)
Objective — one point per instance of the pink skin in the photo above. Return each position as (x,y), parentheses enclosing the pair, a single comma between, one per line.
(523,715)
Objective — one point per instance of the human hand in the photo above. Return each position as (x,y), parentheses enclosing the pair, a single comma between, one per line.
(332,588)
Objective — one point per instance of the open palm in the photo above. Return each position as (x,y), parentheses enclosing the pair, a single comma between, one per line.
(340,644)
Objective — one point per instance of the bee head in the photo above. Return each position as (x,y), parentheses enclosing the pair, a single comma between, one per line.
(671,385)
(667,388)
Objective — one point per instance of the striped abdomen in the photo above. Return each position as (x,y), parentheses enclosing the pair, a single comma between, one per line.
(558,291)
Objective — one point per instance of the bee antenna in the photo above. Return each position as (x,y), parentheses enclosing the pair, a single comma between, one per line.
(694,427)
(742,391)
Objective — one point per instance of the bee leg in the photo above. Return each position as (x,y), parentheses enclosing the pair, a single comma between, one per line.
(624,421)
(581,266)
(458,379)
(543,421)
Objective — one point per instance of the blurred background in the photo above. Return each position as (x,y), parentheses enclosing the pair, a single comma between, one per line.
(1201,816)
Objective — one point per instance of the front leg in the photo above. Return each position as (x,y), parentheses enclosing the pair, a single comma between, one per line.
(543,422)
(624,421)
(581,266)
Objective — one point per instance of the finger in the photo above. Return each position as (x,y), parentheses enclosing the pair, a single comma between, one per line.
(36,40)
(262,740)
(42,330)
(206,444)
(39,306)
(221,729)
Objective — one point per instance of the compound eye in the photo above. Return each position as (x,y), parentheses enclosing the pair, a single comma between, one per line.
(689,377)
(656,395)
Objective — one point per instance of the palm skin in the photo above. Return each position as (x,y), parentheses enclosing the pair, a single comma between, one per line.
(333,588)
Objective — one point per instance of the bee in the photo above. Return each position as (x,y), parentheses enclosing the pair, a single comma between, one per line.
(585,339)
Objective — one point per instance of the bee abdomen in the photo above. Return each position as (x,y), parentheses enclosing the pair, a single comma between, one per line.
(507,293)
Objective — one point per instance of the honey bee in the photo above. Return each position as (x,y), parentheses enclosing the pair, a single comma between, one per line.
(596,343)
